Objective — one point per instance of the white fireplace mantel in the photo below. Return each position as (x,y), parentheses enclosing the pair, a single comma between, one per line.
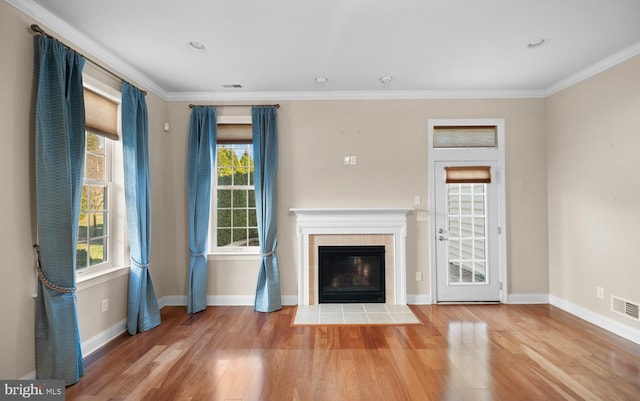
(352,221)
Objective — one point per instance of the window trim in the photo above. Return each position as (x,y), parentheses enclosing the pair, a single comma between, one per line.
(471,155)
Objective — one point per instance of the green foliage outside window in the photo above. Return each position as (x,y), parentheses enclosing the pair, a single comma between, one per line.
(236,206)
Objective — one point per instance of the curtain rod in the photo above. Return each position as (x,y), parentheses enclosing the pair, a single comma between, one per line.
(35,28)
(191,106)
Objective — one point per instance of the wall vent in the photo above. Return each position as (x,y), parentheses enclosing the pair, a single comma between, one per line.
(625,307)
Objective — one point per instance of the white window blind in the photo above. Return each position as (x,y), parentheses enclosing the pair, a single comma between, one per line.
(464,136)
(468,175)
(234,133)
(101,114)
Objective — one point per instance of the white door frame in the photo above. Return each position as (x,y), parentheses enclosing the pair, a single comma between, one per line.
(496,154)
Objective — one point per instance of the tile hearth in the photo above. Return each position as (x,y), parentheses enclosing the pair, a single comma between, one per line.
(356,314)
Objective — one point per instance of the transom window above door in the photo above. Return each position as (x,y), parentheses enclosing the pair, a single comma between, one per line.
(461,136)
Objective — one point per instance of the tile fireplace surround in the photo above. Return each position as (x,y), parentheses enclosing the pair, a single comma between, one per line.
(379,226)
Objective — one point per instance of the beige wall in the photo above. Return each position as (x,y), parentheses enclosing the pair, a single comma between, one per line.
(389,139)
(593,131)
(17,235)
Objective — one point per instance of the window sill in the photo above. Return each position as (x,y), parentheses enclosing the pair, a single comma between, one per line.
(95,277)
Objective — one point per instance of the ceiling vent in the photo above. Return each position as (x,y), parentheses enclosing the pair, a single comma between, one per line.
(625,307)
(232,86)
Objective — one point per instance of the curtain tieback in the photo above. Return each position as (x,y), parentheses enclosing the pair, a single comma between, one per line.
(45,281)
(196,255)
(271,252)
(138,264)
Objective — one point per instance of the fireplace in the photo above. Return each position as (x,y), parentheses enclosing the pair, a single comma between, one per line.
(340,227)
(349,274)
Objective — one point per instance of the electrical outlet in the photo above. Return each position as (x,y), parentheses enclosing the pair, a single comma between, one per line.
(353,160)
(105,304)
(600,292)
(417,200)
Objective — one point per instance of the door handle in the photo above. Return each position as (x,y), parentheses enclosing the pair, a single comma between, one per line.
(442,238)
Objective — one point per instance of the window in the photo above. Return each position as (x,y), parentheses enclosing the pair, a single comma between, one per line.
(467,228)
(235,227)
(94,225)
(100,227)
(464,136)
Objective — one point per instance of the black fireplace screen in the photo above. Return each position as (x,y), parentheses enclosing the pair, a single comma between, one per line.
(350,274)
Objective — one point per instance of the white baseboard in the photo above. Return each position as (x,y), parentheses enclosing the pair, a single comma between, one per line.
(525,299)
(601,321)
(231,300)
(29,376)
(222,300)
(425,299)
(172,300)
(101,339)
(248,300)
(94,343)
(419,299)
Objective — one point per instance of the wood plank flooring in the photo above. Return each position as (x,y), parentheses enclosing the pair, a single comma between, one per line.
(459,352)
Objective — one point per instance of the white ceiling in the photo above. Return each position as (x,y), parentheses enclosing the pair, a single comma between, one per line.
(276,48)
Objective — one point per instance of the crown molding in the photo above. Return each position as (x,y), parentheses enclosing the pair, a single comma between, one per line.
(80,42)
(602,65)
(355,95)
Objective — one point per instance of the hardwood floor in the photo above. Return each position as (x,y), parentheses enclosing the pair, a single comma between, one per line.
(460,352)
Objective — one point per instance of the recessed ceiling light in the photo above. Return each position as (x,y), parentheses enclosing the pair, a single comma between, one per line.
(321,80)
(386,79)
(537,43)
(197,46)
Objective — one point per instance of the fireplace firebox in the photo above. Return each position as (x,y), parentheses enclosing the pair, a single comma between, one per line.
(351,274)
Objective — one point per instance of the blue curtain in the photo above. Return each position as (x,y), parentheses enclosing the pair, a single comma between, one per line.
(202,153)
(265,153)
(59,148)
(142,311)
